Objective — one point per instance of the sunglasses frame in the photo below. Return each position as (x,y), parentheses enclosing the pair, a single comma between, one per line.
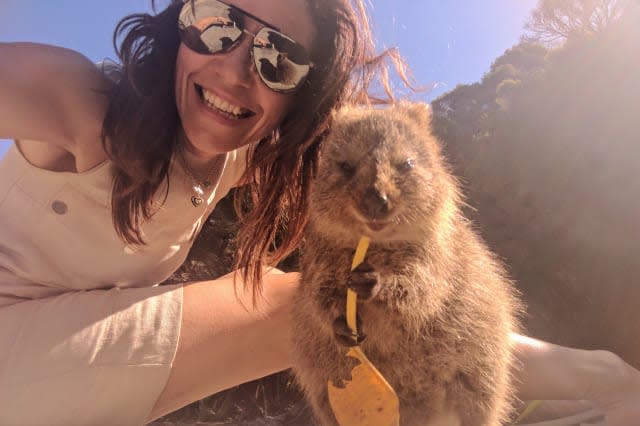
(265,27)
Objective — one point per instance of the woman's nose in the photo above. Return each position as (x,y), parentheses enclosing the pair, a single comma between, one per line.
(237,65)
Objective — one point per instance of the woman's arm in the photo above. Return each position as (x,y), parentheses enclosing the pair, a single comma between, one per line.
(225,341)
(556,372)
(51,95)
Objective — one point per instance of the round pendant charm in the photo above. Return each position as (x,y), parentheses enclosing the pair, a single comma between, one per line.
(196,201)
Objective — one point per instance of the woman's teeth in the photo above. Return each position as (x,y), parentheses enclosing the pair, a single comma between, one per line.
(213,101)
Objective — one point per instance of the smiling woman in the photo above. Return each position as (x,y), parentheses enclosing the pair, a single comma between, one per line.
(151,144)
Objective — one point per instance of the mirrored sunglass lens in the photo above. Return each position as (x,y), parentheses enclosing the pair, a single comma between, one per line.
(282,63)
(217,37)
(208,26)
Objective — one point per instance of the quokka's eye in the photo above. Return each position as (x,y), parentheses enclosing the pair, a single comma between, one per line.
(347,169)
(405,166)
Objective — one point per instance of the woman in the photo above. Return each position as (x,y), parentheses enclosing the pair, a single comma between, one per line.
(112,177)
(131,170)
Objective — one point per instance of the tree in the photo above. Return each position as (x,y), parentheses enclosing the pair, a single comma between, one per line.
(555,21)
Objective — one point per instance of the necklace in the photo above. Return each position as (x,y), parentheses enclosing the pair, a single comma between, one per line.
(198,186)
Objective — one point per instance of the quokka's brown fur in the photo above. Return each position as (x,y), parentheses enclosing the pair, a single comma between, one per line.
(440,310)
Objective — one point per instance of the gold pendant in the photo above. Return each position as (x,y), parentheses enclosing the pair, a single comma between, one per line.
(197,199)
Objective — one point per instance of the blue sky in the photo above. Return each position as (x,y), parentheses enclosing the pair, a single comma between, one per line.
(445,42)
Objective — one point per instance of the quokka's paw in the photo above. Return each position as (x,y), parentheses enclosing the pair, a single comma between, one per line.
(343,333)
(364,280)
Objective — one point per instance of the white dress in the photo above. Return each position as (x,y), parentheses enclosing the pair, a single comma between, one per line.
(87,337)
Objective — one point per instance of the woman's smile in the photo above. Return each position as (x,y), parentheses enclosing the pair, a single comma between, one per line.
(222,106)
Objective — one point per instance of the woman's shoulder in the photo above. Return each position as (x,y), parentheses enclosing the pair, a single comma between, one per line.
(58,97)
(50,68)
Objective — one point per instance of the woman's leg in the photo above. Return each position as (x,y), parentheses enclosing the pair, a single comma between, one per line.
(98,357)
(225,341)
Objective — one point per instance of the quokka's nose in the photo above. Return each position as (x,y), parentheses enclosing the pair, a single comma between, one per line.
(375,204)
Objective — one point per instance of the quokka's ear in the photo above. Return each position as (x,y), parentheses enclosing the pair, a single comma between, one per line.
(343,111)
(417,111)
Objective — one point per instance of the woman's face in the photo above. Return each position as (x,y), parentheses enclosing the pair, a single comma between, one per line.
(228,81)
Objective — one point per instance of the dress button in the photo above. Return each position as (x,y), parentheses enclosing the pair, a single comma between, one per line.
(59,207)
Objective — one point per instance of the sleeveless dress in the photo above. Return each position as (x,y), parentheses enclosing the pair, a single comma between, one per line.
(87,337)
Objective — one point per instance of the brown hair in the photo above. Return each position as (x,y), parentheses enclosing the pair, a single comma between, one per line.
(142,122)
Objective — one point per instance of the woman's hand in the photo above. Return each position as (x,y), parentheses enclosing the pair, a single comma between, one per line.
(553,372)
(617,392)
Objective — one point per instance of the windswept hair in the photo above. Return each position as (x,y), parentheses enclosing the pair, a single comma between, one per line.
(141,125)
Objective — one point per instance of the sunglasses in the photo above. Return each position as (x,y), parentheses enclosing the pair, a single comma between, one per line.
(211,26)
